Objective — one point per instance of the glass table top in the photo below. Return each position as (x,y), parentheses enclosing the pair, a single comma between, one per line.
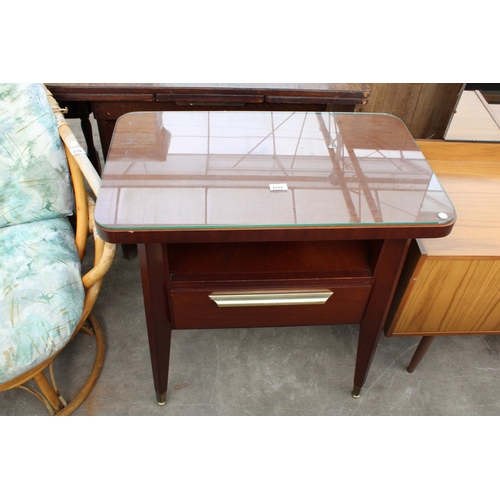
(209,169)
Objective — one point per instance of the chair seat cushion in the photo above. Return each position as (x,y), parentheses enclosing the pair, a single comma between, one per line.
(41,293)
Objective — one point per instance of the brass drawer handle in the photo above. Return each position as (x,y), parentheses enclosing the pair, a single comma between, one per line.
(256,299)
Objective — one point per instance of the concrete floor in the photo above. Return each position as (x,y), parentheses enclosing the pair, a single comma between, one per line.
(268,371)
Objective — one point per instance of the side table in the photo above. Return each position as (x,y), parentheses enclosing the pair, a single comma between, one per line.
(252,219)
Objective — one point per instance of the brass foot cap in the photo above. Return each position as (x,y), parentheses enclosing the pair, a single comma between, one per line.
(162,399)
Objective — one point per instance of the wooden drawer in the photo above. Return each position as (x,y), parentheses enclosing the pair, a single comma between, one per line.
(193,308)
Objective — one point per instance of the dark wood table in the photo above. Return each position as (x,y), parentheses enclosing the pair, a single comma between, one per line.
(261,219)
(109,101)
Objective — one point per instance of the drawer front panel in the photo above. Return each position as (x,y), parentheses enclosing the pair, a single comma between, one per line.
(196,308)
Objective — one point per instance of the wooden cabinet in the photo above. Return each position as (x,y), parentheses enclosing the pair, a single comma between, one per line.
(452,286)
(425,108)
(448,295)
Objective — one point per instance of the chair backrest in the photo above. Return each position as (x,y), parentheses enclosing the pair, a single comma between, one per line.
(34,176)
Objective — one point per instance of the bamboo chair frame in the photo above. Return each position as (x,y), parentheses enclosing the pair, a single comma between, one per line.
(81,170)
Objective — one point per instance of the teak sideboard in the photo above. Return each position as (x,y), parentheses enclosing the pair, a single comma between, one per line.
(451,286)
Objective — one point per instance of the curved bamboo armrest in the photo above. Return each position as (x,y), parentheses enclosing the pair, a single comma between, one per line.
(81,167)
(104,252)
(72,144)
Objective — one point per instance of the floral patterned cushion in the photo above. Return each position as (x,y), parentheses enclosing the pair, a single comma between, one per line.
(34,178)
(41,293)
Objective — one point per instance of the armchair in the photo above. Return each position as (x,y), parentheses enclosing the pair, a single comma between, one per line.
(44,299)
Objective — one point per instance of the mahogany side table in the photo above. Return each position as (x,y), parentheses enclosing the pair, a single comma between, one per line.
(253,219)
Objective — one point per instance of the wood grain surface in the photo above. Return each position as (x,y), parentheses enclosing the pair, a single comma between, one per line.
(470,174)
(453,296)
(452,286)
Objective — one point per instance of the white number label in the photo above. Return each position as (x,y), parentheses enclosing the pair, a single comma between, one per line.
(77,151)
(278,187)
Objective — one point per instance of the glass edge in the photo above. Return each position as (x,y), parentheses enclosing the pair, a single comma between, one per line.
(287,226)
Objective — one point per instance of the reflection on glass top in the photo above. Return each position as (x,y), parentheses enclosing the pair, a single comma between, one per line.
(255,169)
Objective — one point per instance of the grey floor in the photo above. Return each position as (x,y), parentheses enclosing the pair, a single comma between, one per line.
(269,371)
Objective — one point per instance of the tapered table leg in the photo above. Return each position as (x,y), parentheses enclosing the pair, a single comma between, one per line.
(154,273)
(422,348)
(385,277)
